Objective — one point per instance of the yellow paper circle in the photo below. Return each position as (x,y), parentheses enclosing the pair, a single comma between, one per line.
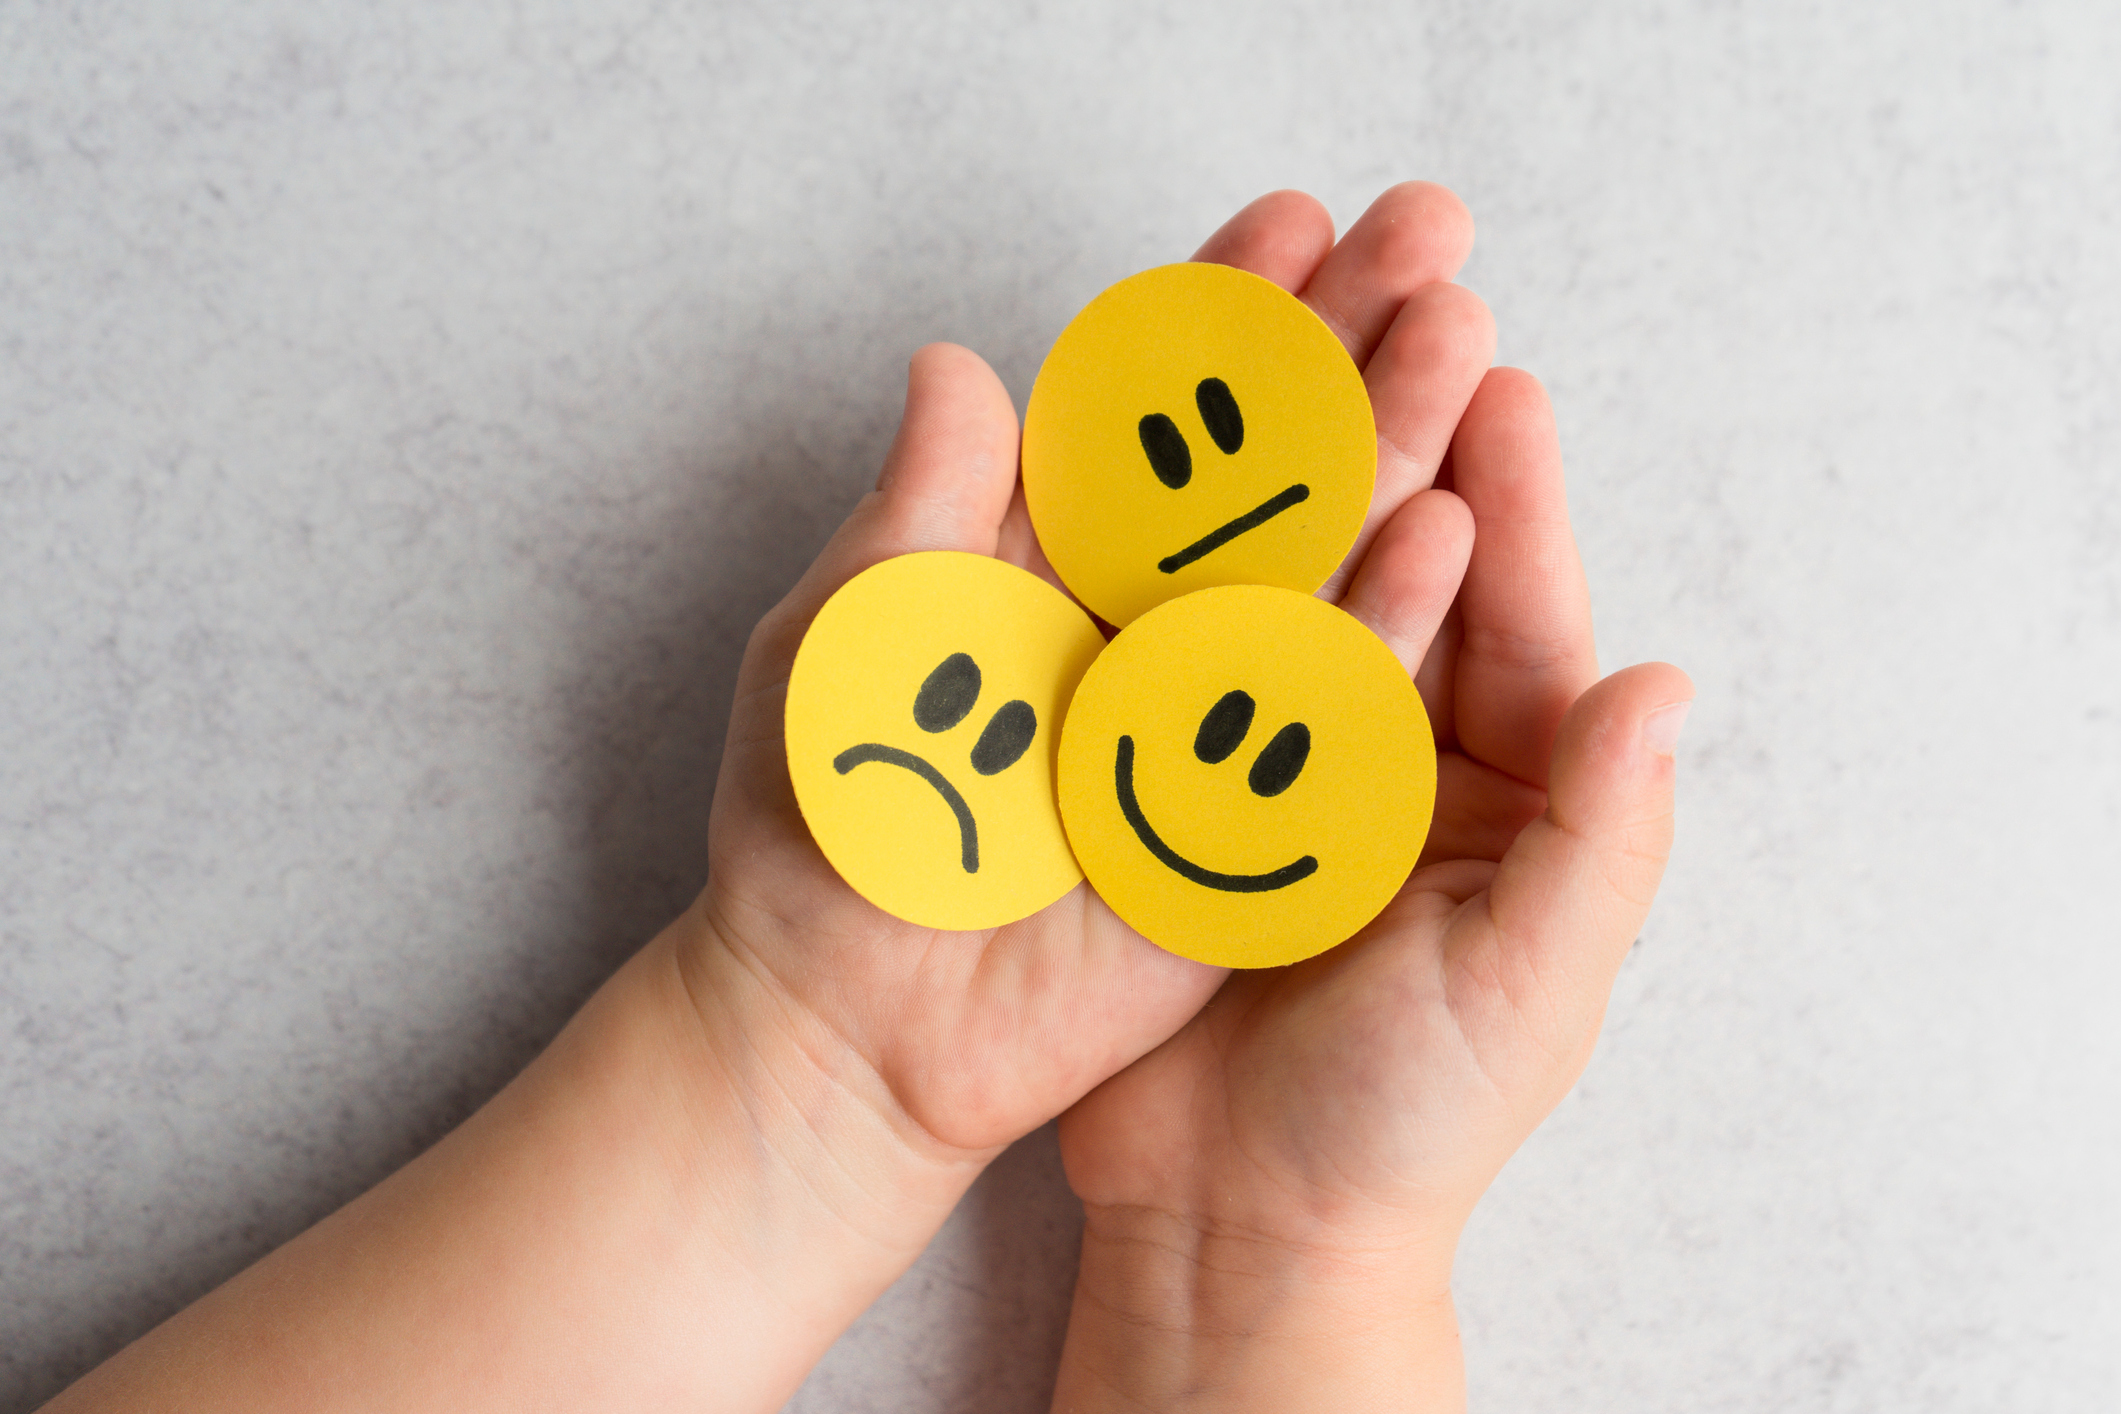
(1162,770)
(1196,425)
(928,787)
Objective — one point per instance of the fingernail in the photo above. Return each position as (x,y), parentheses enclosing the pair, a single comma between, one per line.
(1660,730)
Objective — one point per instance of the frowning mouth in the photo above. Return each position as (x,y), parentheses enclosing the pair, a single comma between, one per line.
(967,832)
(1215,539)
(1123,782)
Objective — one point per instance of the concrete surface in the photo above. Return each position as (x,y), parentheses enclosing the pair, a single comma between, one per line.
(405,410)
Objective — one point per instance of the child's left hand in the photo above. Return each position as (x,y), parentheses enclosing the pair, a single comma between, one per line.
(961,1041)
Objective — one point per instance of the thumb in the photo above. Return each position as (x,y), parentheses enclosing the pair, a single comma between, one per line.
(1570,895)
(945,486)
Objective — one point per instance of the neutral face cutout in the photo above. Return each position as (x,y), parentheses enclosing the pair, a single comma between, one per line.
(1196,426)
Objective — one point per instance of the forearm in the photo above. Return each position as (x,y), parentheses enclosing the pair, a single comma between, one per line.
(680,1204)
(1170,1317)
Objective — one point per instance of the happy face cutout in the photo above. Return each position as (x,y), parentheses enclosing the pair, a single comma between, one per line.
(922,721)
(1247,775)
(1194,426)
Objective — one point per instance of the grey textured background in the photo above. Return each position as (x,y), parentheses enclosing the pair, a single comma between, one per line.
(406,408)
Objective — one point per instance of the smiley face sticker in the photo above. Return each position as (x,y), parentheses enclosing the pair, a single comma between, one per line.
(923,716)
(1196,425)
(1247,775)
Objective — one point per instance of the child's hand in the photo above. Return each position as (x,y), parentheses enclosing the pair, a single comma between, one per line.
(1273,1196)
(953,1043)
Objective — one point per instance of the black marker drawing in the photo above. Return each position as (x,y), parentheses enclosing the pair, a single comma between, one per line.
(1218,410)
(967,831)
(945,699)
(1172,461)
(947,695)
(1251,520)
(1169,457)
(1278,766)
(1221,732)
(1007,737)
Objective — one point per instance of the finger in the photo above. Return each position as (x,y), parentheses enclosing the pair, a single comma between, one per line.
(1479,811)
(1571,894)
(1527,652)
(1018,543)
(945,485)
(952,467)
(1416,234)
(1412,573)
(1435,679)
(1421,378)
(1280,237)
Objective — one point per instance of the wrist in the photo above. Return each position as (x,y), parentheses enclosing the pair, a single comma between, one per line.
(823,1187)
(1173,1312)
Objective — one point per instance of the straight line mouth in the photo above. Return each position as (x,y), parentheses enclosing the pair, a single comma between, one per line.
(967,832)
(1251,520)
(1123,780)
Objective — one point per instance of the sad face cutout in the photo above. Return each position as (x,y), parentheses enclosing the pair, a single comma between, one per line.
(922,722)
(1196,425)
(1247,776)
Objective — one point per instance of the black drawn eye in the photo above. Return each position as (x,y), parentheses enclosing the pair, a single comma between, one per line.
(1218,408)
(1169,457)
(1223,730)
(946,698)
(1279,765)
(1006,738)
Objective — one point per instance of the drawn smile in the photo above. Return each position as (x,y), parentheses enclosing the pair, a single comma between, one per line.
(1123,780)
(967,832)
(1253,519)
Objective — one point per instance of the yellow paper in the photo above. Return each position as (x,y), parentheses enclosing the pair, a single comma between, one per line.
(1247,776)
(1196,425)
(922,721)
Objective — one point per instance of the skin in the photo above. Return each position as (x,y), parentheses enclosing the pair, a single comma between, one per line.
(759,1122)
(1273,1196)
